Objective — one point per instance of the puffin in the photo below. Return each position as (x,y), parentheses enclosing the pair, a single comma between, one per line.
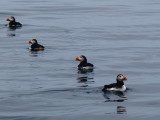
(35,46)
(84,65)
(118,86)
(13,23)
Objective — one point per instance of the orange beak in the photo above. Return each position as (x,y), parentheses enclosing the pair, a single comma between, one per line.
(30,42)
(7,19)
(124,78)
(77,59)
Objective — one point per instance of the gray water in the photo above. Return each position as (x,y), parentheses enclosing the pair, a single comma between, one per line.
(117,36)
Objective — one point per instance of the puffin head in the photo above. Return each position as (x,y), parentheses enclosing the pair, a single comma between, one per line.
(81,58)
(121,77)
(33,41)
(11,19)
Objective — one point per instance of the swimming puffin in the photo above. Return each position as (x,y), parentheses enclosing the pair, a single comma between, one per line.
(118,86)
(35,46)
(13,22)
(83,63)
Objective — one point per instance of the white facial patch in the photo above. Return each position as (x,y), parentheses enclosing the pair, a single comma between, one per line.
(32,41)
(81,58)
(11,19)
(120,77)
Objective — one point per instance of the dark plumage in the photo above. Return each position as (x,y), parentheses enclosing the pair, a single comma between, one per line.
(13,22)
(118,86)
(83,63)
(35,46)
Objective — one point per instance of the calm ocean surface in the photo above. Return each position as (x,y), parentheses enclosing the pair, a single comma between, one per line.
(117,36)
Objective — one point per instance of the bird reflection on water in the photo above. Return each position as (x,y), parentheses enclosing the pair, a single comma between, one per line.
(84,71)
(35,53)
(85,80)
(121,110)
(11,32)
(109,95)
(86,77)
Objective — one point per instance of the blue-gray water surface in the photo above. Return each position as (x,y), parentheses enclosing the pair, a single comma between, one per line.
(117,36)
